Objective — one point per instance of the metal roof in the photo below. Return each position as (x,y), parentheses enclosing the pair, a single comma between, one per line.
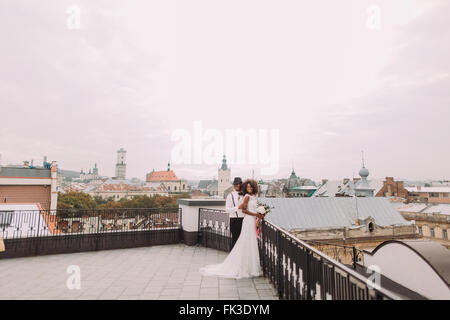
(25,172)
(307,213)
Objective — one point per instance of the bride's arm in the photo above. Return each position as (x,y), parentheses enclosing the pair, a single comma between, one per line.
(244,206)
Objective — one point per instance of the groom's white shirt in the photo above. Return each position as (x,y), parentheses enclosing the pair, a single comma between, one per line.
(232,203)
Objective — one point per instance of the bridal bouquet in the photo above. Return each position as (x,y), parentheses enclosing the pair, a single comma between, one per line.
(263,209)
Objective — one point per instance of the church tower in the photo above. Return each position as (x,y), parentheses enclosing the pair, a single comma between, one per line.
(224,177)
(121,166)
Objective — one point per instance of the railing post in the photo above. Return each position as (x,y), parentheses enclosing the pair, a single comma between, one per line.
(308,275)
(280,281)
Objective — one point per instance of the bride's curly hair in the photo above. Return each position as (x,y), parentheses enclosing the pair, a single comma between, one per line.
(251,182)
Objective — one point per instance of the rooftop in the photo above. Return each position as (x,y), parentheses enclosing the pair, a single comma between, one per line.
(21,172)
(167,272)
(428,189)
(168,175)
(318,212)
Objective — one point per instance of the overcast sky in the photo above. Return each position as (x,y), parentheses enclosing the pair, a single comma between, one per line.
(316,71)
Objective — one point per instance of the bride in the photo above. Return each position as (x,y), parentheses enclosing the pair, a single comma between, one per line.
(243,260)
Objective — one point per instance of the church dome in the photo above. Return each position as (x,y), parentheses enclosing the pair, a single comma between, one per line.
(364,173)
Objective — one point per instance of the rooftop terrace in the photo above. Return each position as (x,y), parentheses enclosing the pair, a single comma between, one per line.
(166,272)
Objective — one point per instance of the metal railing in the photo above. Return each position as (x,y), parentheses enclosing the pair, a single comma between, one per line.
(349,255)
(214,229)
(301,272)
(298,270)
(35,232)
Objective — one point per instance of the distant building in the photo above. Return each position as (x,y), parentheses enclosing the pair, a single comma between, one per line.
(359,187)
(224,176)
(91,175)
(296,187)
(432,220)
(121,166)
(392,188)
(197,194)
(218,187)
(29,185)
(169,179)
(116,190)
(428,194)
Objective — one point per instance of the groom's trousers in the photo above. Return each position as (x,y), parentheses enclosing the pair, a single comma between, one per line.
(235,228)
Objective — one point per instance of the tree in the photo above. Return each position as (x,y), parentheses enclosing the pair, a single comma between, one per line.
(76,200)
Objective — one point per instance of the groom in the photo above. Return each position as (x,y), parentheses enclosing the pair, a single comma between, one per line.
(234,199)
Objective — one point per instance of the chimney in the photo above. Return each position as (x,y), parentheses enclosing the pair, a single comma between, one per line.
(26,163)
(418,188)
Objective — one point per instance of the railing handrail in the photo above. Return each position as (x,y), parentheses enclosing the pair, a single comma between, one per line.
(338,264)
(325,257)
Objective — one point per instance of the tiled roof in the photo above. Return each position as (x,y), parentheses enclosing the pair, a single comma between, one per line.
(162,176)
(307,213)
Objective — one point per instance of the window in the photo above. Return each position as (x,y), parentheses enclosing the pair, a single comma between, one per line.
(183,186)
(175,188)
(420,231)
(444,234)
(168,188)
(432,232)
(370,227)
(434,195)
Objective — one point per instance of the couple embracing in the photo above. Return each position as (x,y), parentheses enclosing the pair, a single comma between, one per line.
(243,260)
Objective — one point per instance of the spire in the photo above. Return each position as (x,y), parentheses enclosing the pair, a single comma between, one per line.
(363,173)
(224,163)
(362,156)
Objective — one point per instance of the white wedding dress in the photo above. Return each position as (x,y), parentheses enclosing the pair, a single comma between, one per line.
(243,260)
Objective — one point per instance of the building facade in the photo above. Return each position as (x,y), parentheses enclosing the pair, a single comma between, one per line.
(121,166)
(169,179)
(29,185)
(428,194)
(432,220)
(224,178)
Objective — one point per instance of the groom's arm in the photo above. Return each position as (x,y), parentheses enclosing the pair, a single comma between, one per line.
(230,208)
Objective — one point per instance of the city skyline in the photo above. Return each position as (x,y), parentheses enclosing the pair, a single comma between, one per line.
(133,73)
